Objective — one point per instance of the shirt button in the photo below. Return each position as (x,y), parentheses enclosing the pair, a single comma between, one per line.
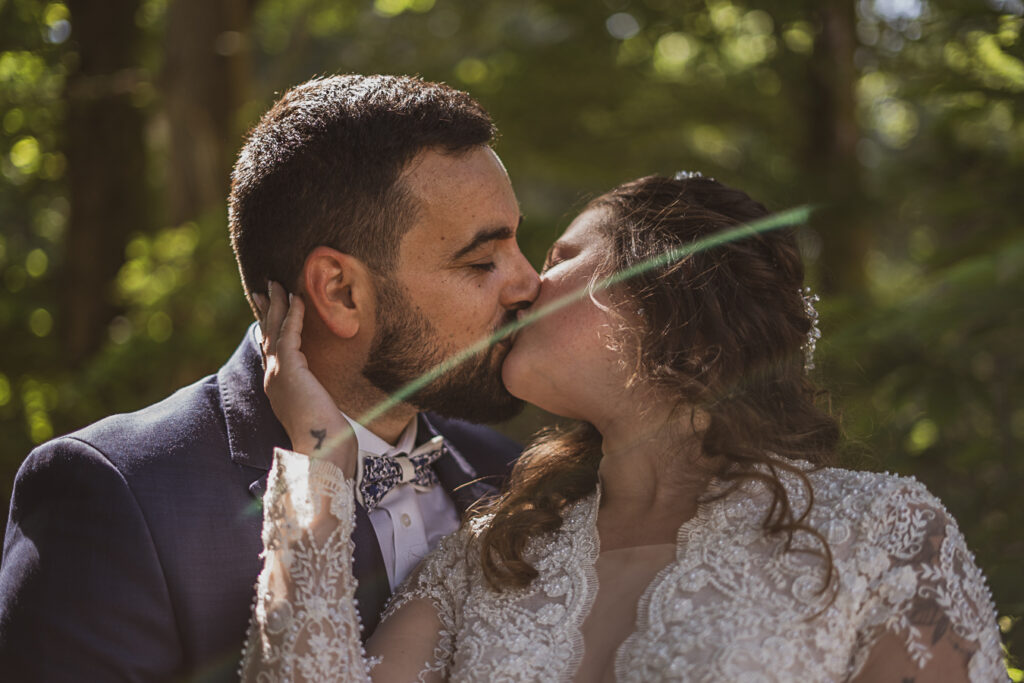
(406,520)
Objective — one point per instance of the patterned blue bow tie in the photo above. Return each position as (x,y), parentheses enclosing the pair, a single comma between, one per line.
(378,474)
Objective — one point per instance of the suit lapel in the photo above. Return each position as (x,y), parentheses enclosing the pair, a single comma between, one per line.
(253,432)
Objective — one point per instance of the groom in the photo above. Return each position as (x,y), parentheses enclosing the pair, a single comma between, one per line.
(132,547)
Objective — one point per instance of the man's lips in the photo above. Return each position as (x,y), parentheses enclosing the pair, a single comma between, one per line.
(509,339)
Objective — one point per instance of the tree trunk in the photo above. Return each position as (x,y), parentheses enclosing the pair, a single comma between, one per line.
(832,149)
(204,82)
(106,167)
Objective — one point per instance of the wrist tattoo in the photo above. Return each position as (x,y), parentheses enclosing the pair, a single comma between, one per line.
(319,435)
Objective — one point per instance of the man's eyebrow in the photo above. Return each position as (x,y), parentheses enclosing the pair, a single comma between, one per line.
(484,236)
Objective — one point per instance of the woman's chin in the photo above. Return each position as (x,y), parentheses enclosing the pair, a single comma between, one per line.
(536,391)
(513,378)
(524,380)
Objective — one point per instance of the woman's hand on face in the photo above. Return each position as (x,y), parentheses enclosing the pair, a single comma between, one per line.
(302,404)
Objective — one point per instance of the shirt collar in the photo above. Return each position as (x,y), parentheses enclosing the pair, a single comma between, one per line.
(368,442)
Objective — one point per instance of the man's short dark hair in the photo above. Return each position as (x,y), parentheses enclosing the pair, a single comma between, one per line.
(322,167)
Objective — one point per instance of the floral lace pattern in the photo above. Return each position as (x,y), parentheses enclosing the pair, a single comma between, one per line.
(530,634)
(305,624)
(736,606)
(733,606)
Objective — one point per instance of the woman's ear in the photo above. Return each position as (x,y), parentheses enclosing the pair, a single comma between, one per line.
(340,288)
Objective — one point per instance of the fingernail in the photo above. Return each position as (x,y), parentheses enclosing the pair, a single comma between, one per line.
(270,288)
(289,298)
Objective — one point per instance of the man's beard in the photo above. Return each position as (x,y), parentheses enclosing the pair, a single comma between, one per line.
(405,347)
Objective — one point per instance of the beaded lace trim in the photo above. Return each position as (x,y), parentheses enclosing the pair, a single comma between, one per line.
(733,606)
(305,623)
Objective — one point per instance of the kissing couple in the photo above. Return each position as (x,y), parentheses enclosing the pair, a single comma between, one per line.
(688,527)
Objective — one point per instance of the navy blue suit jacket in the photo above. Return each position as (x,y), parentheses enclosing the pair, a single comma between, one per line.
(132,547)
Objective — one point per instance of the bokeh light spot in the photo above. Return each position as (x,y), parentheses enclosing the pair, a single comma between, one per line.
(672,53)
(923,436)
(799,37)
(58,32)
(891,10)
(40,322)
(724,15)
(622,25)
(758,22)
(392,8)
(896,122)
(120,330)
(14,120)
(25,155)
(36,263)
(471,70)
(58,27)
(54,12)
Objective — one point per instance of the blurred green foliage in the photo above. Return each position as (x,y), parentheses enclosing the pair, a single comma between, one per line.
(922,354)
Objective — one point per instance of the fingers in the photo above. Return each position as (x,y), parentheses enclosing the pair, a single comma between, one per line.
(291,328)
(260,302)
(274,318)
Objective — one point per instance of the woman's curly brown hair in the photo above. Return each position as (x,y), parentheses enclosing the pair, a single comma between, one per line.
(723,331)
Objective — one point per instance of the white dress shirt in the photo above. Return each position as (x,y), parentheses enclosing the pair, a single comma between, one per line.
(408,522)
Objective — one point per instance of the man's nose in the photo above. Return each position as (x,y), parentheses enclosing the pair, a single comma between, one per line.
(523,287)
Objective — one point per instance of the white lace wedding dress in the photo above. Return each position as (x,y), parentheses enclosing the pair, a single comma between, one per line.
(726,603)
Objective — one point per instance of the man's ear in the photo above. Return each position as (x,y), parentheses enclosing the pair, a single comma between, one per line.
(340,287)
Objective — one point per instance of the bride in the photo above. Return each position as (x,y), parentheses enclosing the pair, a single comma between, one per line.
(688,528)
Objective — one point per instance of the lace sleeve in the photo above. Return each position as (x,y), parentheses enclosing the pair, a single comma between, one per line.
(305,625)
(929,615)
(436,588)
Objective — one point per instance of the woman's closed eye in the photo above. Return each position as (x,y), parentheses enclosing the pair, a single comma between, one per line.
(557,255)
(553,258)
